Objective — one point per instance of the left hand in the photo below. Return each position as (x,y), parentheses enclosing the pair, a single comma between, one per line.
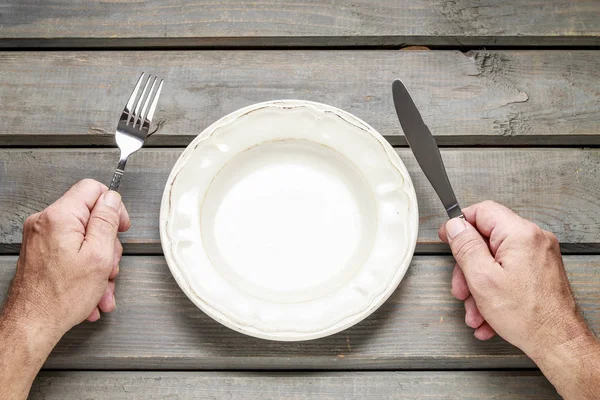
(69,258)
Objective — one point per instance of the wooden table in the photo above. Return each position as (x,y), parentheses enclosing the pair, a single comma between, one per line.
(511,89)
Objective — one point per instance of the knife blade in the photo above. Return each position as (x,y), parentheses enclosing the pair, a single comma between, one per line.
(424,147)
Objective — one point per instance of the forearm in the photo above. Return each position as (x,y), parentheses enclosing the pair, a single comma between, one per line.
(573,366)
(24,347)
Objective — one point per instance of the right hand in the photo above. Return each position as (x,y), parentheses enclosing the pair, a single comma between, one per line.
(511,277)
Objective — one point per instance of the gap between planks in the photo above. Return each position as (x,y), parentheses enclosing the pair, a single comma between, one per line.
(481,98)
(557,188)
(420,326)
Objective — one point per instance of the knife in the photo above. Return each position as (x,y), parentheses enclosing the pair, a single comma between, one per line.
(424,148)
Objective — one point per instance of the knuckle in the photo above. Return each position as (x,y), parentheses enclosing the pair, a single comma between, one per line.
(88,182)
(118,247)
(89,186)
(533,234)
(489,204)
(51,216)
(37,227)
(114,272)
(458,292)
(30,222)
(109,308)
(472,320)
(552,239)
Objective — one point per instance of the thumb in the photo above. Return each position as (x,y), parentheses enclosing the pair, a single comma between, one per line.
(103,224)
(469,248)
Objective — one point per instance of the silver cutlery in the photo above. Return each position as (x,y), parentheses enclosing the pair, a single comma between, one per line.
(424,148)
(134,124)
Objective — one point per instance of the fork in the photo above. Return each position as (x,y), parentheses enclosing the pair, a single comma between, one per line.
(134,124)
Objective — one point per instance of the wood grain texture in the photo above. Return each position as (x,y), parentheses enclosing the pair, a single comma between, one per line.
(319,23)
(479,98)
(421,326)
(69,385)
(557,188)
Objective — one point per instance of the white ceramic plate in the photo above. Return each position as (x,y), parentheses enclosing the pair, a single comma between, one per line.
(289,220)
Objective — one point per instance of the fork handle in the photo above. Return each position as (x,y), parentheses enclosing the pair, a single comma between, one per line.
(116,179)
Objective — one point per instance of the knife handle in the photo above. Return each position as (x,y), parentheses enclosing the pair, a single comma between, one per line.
(455,212)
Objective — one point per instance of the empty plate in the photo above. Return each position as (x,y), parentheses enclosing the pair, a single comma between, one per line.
(289,220)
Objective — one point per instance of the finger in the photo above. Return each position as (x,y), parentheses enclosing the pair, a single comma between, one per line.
(470,250)
(28,225)
(81,199)
(102,228)
(493,221)
(442,233)
(460,289)
(94,316)
(30,221)
(473,317)
(115,272)
(118,253)
(107,302)
(124,222)
(485,332)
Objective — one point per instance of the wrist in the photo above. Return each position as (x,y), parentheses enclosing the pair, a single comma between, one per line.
(569,346)
(21,319)
(24,347)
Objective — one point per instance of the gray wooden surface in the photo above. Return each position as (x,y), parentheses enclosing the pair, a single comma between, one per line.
(531,82)
(481,97)
(292,385)
(421,326)
(320,23)
(557,188)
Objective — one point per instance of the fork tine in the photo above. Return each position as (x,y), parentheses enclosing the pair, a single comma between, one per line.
(143,113)
(131,101)
(154,103)
(136,112)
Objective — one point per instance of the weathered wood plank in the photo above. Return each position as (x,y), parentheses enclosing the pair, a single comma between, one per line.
(557,188)
(421,326)
(319,23)
(466,385)
(479,98)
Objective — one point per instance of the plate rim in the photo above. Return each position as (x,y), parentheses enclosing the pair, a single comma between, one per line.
(392,286)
